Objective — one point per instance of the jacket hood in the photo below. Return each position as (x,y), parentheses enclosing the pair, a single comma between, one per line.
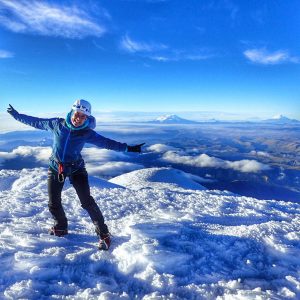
(92,122)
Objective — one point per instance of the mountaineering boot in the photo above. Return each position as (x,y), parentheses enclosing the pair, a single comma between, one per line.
(105,241)
(58,232)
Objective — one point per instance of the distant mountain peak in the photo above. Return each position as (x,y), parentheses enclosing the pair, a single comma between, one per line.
(168,117)
(281,119)
(171,119)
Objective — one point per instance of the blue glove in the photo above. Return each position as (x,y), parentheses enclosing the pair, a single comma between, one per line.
(135,148)
(11,110)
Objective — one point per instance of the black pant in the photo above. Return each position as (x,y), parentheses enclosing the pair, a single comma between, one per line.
(79,180)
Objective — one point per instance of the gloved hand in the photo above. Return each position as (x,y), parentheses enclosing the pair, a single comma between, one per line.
(135,148)
(11,110)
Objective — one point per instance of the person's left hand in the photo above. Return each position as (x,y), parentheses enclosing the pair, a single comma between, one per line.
(11,110)
(135,148)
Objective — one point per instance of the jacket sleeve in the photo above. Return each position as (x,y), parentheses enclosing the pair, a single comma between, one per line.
(38,123)
(103,142)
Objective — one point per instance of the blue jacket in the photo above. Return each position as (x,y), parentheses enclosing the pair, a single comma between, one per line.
(68,140)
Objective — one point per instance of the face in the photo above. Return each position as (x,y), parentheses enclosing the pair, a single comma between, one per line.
(78,118)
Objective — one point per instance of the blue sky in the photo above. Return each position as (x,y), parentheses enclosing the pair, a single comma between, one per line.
(240,57)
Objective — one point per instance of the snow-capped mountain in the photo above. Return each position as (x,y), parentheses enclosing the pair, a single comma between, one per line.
(281,119)
(172,119)
(170,240)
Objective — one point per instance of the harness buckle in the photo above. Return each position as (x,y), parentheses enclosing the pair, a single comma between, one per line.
(61,176)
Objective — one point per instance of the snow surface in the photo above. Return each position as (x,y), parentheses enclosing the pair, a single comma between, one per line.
(158,178)
(171,240)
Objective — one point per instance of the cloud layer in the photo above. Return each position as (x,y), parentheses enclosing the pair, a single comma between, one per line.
(112,169)
(161,148)
(41,154)
(103,162)
(206,161)
(40,17)
(99,162)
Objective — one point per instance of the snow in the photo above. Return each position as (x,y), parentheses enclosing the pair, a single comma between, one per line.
(172,119)
(168,118)
(158,178)
(278,117)
(282,119)
(172,239)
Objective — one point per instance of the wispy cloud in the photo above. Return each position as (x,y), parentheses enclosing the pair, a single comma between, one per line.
(40,17)
(265,57)
(175,55)
(6,54)
(132,46)
(161,52)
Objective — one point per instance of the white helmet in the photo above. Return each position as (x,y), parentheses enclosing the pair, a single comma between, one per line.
(82,106)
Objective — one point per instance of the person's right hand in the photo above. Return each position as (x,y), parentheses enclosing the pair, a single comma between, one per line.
(11,110)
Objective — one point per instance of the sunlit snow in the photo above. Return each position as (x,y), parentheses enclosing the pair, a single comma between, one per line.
(172,239)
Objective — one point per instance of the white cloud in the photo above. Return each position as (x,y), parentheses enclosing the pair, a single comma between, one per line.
(103,162)
(173,56)
(48,19)
(99,162)
(132,46)
(162,53)
(160,148)
(6,54)
(112,169)
(204,160)
(93,155)
(246,166)
(262,56)
(182,55)
(161,58)
(260,153)
(41,154)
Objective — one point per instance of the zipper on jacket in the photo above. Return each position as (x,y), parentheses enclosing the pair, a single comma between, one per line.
(65,147)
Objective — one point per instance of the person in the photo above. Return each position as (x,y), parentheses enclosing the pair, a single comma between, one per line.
(70,135)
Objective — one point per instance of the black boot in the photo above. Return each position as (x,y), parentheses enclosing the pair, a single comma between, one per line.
(105,241)
(58,232)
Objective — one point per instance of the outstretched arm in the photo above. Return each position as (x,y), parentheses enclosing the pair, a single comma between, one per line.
(106,143)
(44,124)
(103,142)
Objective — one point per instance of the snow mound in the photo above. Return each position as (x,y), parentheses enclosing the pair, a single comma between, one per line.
(158,178)
(101,183)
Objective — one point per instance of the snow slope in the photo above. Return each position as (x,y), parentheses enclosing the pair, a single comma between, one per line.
(170,241)
(158,178)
